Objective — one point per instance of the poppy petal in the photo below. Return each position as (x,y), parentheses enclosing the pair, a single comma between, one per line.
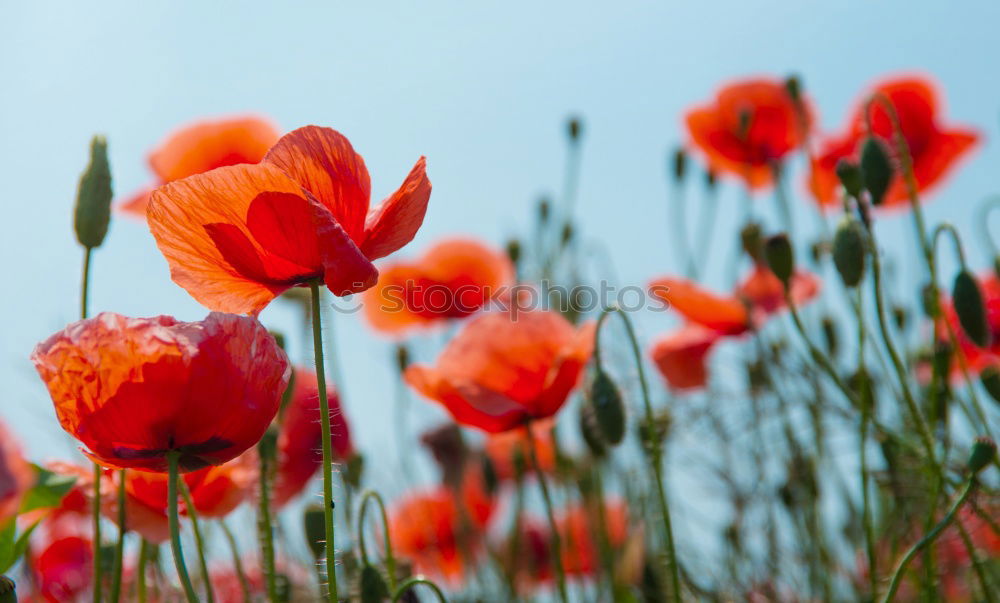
(725,314)
(396,220)
(468,403)
(681,356)
(207,145)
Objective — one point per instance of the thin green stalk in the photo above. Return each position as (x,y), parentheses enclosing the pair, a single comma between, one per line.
(410,583)
(707,220)
(175,527)
(550,513)
(265,524)
(116,579)
(85,283)
(390,561)
(237,561)
(977,563)
(866,410)
(656,454)
(684,258)
(141,570)
(192,514)
(929,538)
(98,472)
(324,409)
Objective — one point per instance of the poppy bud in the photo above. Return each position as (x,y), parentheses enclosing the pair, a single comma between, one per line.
(679,164)
(372,585)
(990,378)
(794,87)
(566,235)
(574,128)
(984,451)
(514,251)
(544,208)
(780,257)
(996,265)
(93,197)
(928,300)
(818,249)
(279,338)
(590,431)
(314,527)
(850,177)
(609,409)
(751,238)
(941,358)
(849,251)
(490,478)
(402,357)
(830,335)
(861,383)
(354,470)
(711,179)
(968,302)
(8,590)
(899,316)
(876,168)
(653,432)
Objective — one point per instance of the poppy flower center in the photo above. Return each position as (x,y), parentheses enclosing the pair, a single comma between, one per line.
(192,456)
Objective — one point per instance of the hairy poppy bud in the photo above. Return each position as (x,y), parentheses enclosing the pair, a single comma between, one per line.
(990,378)
(968,302)
(850,177)
(574,128)
(314,527)
(876,168)
(590,431)
(609,409)
(849,251)
(679,164)
(752,240)
(780,257)
(93,197)
(372,585)
(514,251)
(984,450)
(830,335)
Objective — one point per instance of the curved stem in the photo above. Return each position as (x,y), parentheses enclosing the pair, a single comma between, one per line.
(116,579)
(192,514)
(550,513)
(946,227)
(324,409)
(265,525)
(656,454)
(410,583)
(237,561)
(175,529)
(141,571)
(390,561)
(928,539)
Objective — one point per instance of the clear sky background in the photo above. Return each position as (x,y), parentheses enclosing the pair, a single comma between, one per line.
(481,88)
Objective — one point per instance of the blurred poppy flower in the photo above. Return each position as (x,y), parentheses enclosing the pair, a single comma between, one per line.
(681,356)
(134,389)
(300,436)
(749,126)
(502,371)
(763,292)
(202,146)
(504,449)
(238,236)
(438,533)
(935,148)
(16,475)
(454,279)
(724,314)
(62,569)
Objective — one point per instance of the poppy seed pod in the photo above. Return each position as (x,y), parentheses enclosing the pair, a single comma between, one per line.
(679,164)
(849,251)
(609,409)
(850,177)
(372,585)
(984,451)
(780,257)
(990,378)
(876,168)
(314,527)
(93,197)
(968,302)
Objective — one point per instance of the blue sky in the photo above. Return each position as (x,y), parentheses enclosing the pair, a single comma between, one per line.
(481,88)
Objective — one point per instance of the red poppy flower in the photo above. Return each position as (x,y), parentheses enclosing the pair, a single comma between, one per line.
(763,292)
(681,356)
(501,371)
(134,389)
(454,279)
(300,439)
(203,146)
(237,236)
(16,475)
(438,534)
(503,449)
(936,149)
(750,125)
(63,568)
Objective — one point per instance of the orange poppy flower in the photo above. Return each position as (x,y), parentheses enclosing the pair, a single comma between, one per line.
(238,236)
(502,371)
(16,475)
(300,439)
(134,389)
(438,534)
(935,149)
(681,356)
(503,449)
(750,125)
(202,146)
(454,279)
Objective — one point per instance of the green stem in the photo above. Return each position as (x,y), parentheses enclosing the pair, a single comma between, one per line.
(141,571)
(85,283)
(866,410)
(550,513)
(116,579)
(928,539)
(175,528)
(98,583)
(656,454)
(390,561)
(192,514)
(410,583)
(977,563)
(324,409)
(237,561)
(265,524)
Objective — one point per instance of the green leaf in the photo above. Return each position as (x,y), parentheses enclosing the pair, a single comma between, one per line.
(48,491)
(7,542)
